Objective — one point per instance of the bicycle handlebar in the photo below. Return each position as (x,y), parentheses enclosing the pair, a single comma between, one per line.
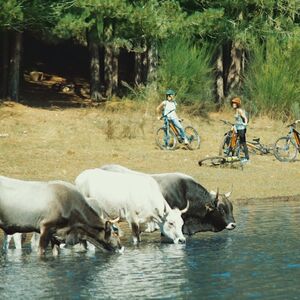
(164,116)
(293,124)
(227,122)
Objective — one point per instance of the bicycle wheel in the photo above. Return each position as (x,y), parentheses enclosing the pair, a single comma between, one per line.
(224,145)
(193,138)
(212,161)
(164,142)
(285,149)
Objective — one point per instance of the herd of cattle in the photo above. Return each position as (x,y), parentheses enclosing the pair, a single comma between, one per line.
(60,212)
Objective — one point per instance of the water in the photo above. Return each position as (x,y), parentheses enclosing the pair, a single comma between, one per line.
(260,259)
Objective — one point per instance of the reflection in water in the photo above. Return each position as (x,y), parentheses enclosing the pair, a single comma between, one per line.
(260,259)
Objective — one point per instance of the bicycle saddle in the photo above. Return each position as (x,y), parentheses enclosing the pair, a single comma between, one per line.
(256,140)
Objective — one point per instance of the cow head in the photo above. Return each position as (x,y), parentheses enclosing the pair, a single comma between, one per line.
(221,212)
(111,237)
(216,215)
(104,238)
(171,224)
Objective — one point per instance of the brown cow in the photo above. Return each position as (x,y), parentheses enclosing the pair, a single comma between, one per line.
(54,208)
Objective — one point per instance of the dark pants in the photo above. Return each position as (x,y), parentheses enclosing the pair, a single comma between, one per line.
(242,136)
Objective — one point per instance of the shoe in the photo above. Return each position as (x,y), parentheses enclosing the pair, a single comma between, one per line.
(186,141)
(245,160)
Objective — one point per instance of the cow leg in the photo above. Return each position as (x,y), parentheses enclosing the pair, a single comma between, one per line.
(55,246)
(17,237)
(135,233)
(35,241)
(6,239)
(44,239)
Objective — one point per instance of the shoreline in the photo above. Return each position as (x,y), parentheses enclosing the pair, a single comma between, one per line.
(268,198)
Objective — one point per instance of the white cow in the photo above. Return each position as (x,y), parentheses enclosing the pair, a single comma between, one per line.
(136,199)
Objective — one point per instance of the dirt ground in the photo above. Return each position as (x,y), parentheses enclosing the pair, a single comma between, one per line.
(53,143)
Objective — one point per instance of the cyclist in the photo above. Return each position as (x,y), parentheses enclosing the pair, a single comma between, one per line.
(168,110)
(241,122)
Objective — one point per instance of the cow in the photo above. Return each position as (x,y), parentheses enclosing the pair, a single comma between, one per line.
(207,211)
(53,209)
(133,198)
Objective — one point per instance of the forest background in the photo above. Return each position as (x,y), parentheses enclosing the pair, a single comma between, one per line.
(206,50)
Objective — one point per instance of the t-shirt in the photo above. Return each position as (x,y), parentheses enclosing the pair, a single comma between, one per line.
(170,109)
(239,122)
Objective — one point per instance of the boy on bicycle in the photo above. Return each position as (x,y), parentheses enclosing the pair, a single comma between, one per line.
(168,110)
(241,122)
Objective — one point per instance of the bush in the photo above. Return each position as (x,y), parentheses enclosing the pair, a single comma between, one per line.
(272,82)
(186,69)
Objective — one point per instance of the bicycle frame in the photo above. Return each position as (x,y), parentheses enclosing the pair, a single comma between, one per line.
(294,133)
(169,125)
(233,139)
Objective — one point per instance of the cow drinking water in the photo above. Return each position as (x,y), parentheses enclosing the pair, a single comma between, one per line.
(133,198)
(207,211)
(52,208)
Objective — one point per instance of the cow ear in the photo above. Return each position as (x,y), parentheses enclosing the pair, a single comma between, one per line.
(107,228)
(156,216)
(209,208)
(213,194)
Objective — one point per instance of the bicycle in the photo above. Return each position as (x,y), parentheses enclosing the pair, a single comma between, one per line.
(230,144)
(286,148)
(214,161)
(168,137)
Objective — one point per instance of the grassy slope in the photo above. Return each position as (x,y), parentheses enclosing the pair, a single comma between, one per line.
(58,144)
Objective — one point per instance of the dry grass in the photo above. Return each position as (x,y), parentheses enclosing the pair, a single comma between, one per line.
(58,144)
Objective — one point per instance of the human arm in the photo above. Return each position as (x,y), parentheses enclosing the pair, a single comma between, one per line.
(243,115)
(159,110)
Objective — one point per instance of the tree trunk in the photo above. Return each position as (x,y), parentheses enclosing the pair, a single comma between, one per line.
(137,68)
(95,92)
(220,78)
(115,70)
(111,68)
(141,64)
(235,69)
(14,68)
(5,63)
(152,61)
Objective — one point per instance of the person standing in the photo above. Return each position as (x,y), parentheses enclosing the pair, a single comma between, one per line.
(241,122)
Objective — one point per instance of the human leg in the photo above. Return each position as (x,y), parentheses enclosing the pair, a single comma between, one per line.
(242,136)
(180,128)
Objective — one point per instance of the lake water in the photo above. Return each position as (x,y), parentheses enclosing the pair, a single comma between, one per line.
(260,259)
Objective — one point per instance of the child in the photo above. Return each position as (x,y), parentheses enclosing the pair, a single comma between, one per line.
(241,122)
(168,110)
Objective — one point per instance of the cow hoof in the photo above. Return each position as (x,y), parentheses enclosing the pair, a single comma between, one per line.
(121,250)
(55,250)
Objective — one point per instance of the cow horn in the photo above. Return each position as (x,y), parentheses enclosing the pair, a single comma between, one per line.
(216,198)
(227,195)
(183,211)
(113,221)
